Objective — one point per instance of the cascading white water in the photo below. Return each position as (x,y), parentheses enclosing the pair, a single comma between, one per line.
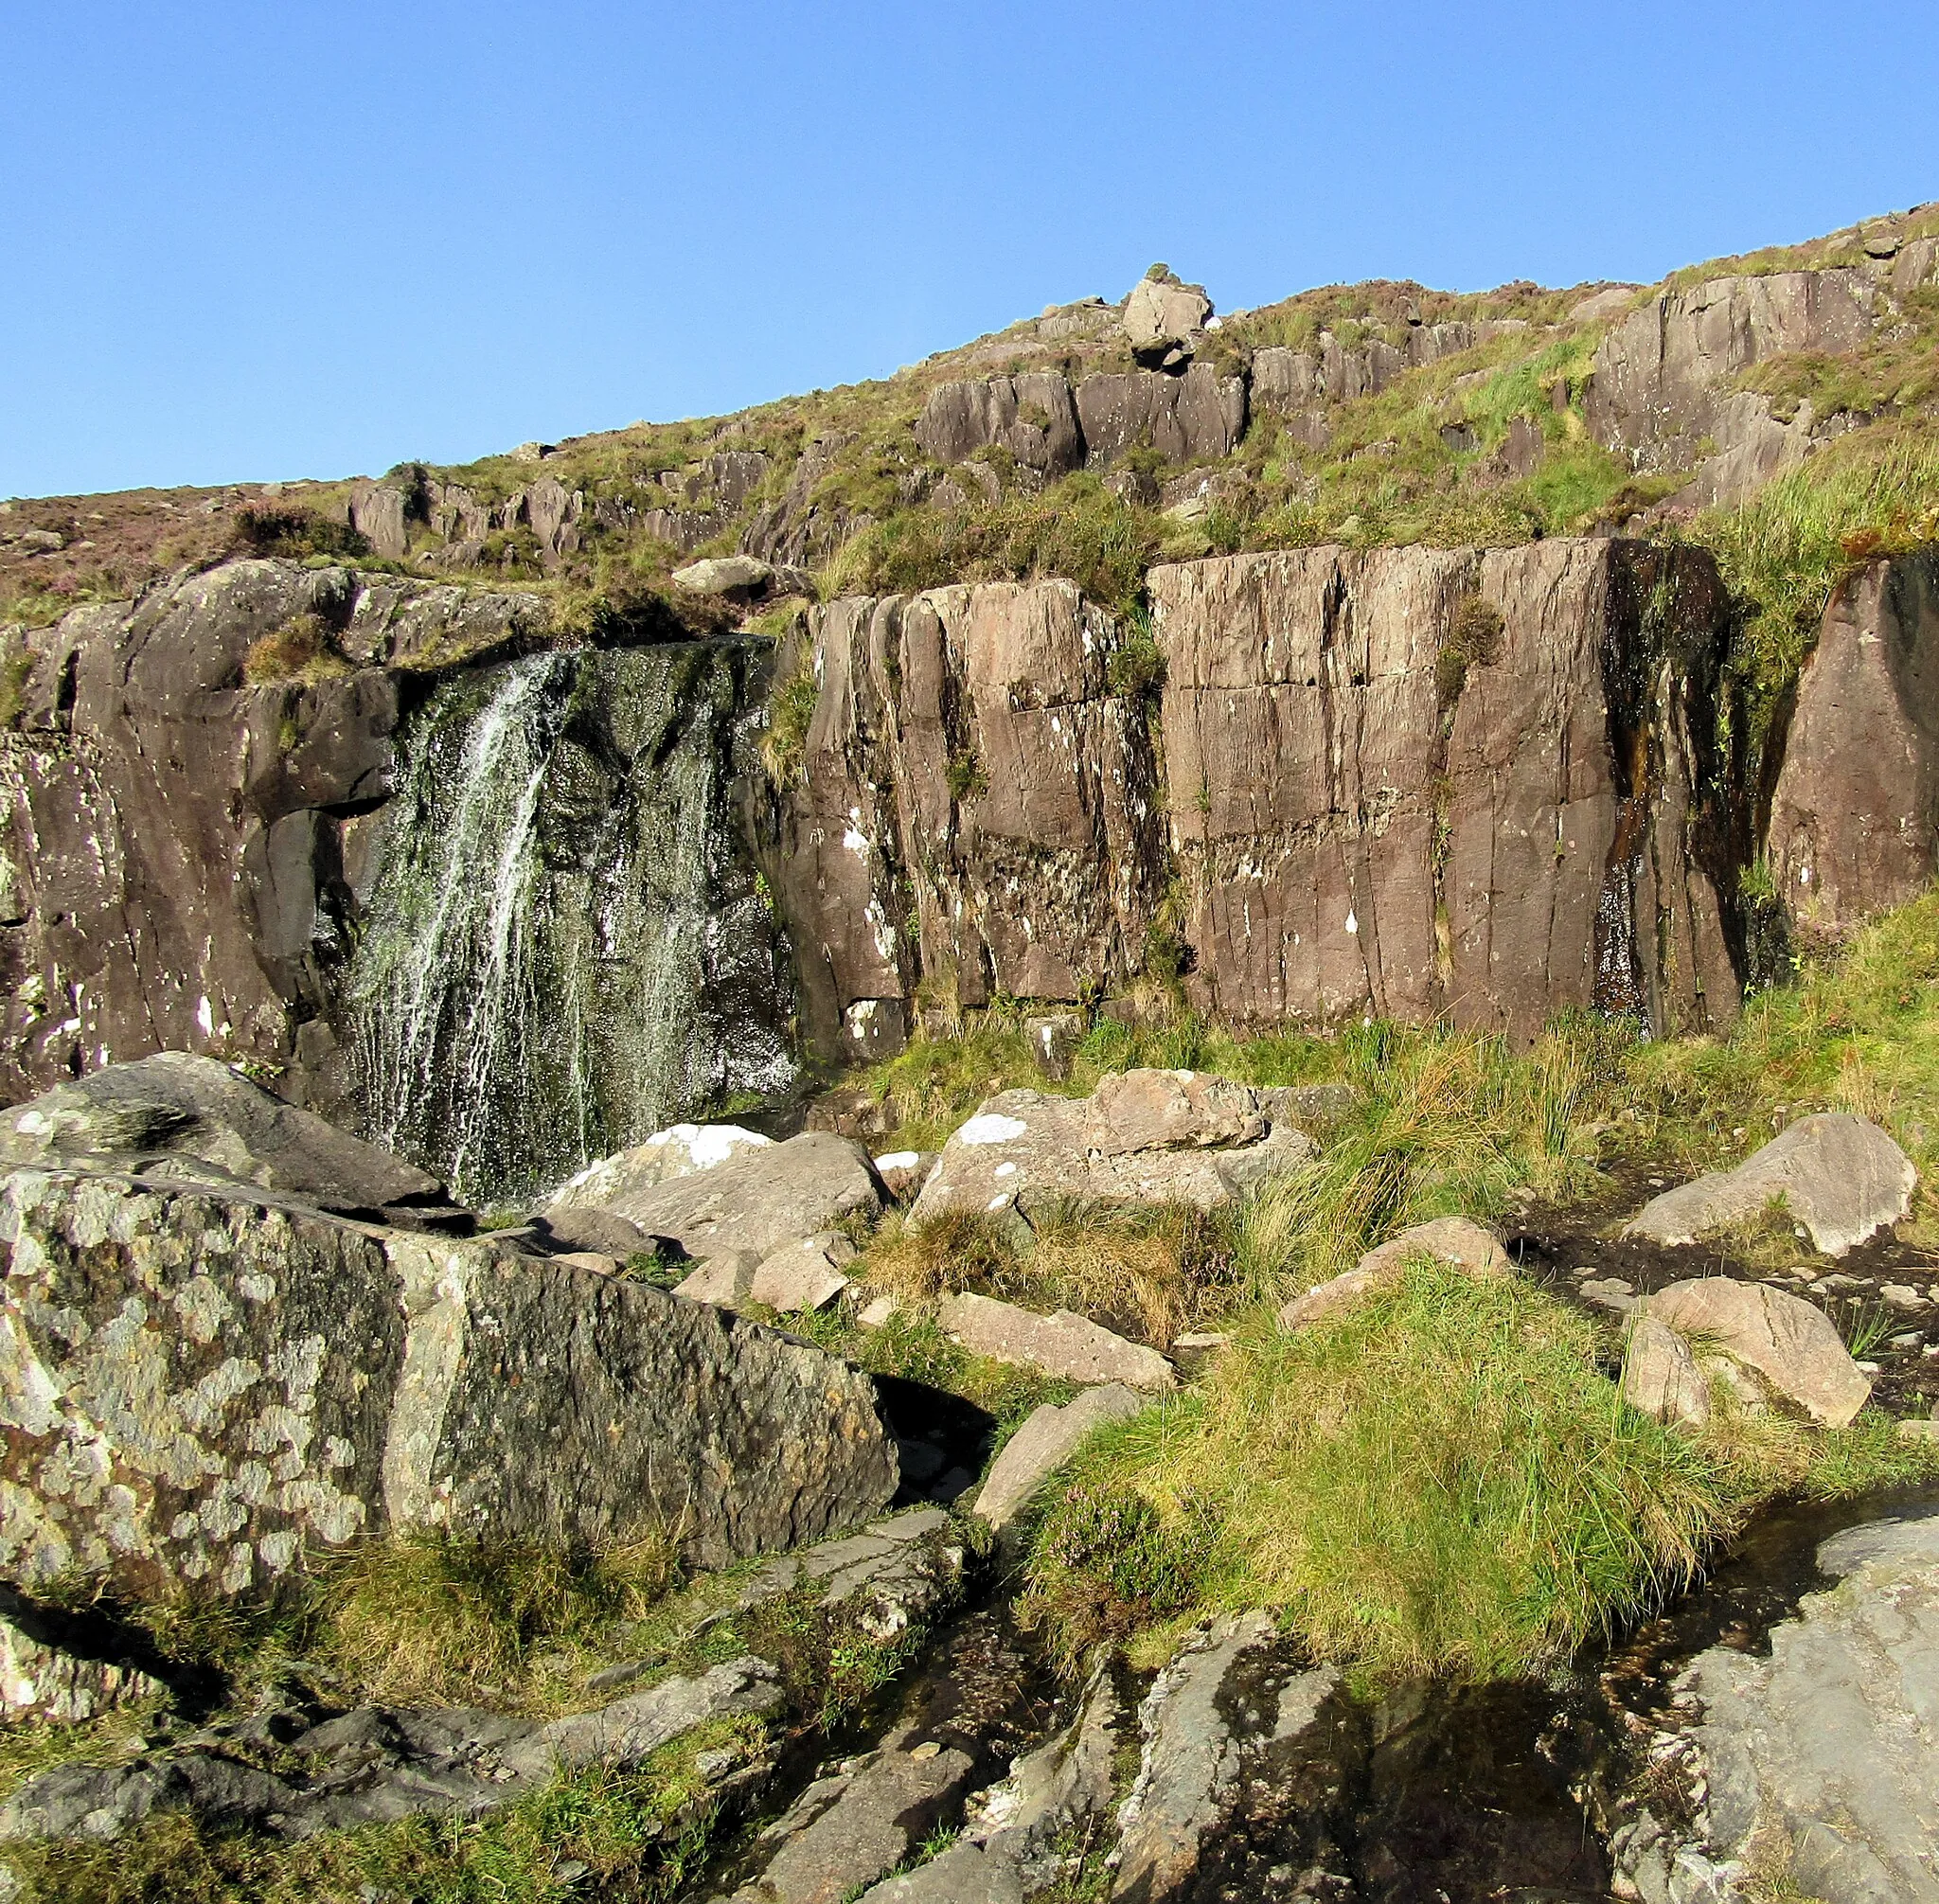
(563,947)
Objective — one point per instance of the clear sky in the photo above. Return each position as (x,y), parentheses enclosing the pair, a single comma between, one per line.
(280,239)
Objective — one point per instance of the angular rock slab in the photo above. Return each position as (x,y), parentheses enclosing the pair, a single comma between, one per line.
(847,1830)
(191,1115)
(373,1766)
(803,1276)
(1143,1137)
(194,1388)
(1823,1748)
(1061,1344)
(1454,1240)
(681,1151)
(1660,1376)
(1790,1342)
(42,1678)
(1193,1759)
(758,1199)
(1840,1176)
(1041,1446)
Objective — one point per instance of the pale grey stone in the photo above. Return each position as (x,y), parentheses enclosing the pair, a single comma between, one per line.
(1062,1344)
(1839,1175)
(1791,1344)
(1043,1445)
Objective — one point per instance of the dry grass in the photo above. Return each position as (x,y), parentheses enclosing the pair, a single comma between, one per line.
(436,1619)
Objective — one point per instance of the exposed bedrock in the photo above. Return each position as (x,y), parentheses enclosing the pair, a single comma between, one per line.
(381,878)
(1409,781)
(1855,816)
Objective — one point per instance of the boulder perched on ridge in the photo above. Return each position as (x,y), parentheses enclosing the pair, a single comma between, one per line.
(204,1383)
(1840,1176)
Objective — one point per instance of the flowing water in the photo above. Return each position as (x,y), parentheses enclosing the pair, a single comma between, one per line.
(565,946)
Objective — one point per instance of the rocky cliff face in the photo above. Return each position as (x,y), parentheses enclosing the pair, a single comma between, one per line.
(1855,816)
(518,895)
(975,806)
(1410,782)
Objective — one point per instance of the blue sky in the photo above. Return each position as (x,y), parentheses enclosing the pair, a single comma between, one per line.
(245,241)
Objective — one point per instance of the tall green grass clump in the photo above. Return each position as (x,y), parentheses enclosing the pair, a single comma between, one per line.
(1441,1480)
(1784,549)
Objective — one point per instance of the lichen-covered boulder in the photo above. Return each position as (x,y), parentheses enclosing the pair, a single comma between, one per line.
(196,1386)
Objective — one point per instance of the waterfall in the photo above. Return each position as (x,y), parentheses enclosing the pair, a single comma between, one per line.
(563,945)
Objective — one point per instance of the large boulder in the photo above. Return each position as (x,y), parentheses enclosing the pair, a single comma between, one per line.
(1854,817)
(760,1198)
(199,1385)
(1839,1175)
(178,1114)
(1161,313)
(1142,1137)
(1789,1343)
(1812,1756)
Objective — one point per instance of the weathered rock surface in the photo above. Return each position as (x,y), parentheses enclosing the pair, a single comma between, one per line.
(1855,818)
(200,1386)
(1790,1342)
(1041,1446)
(1161,311)
(192,860)
(1031,415)
(1196,416)
(1017,1835)
(1816,1757)
(758,1200)
(681,1151)
(1840,1176)
(847,1830)
(172,837)
(1663,374)
(1341,856)
(1660,1375)
(177,1114)
(44,1673)
(375,1764)
(975,803)
(1194,1757)
(1454,1240)
(1062,1344)
(803,1276)
(1142,1137)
